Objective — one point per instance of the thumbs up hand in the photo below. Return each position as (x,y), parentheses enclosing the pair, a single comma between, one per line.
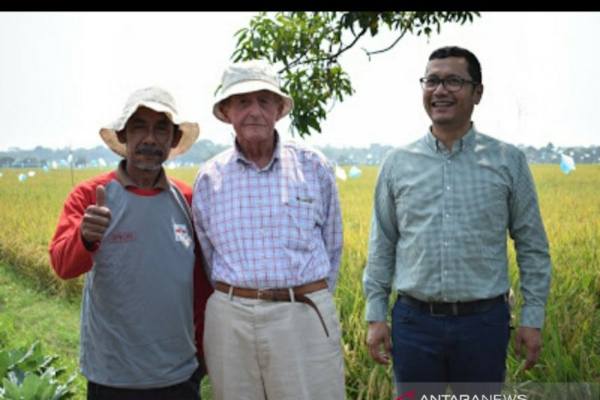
(100,196)
(95,219)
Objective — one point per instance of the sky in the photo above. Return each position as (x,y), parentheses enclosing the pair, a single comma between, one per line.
(63,75)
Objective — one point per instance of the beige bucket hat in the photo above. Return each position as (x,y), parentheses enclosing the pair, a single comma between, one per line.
(250,76)
(159,100)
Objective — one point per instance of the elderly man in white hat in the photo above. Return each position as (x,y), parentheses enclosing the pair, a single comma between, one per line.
(268,219)
(130,232)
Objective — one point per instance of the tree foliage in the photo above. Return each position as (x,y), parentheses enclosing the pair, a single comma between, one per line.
(309,44)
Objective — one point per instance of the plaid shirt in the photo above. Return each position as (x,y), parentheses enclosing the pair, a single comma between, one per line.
(440,222)
(275,227)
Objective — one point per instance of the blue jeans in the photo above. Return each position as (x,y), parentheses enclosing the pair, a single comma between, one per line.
(467,352)
(187,390)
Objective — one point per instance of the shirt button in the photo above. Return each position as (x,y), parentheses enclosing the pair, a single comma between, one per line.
(447,187)
(446,244)
(447,215)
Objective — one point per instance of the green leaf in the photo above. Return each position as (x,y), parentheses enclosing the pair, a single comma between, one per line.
(31,385)
(5,363)
(29,375)
(11,390)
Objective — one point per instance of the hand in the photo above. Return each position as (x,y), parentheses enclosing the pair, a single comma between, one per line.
(377,336)
(532,339)
(95,219)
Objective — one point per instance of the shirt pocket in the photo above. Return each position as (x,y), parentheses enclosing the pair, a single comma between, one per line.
(298,219)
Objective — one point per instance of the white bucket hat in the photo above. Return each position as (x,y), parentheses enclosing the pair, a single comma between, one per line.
(250,76)
(159,100)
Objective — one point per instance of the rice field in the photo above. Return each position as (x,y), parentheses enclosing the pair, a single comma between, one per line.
(570,207)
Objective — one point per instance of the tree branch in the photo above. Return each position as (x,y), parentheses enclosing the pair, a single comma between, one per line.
(330,57)
(370,53)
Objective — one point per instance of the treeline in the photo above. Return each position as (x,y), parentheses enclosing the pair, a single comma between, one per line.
(202,150)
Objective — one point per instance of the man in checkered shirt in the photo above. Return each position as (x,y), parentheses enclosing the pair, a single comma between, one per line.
(268,219)
(443,207)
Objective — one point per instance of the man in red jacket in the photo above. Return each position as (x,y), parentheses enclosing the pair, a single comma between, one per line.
(130,232)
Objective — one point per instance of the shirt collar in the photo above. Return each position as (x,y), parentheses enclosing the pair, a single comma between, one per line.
(276,153)
(465,142)
(126,181)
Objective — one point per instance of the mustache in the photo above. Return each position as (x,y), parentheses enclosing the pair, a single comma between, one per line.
(146,150)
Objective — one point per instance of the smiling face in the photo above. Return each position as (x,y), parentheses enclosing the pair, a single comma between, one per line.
(253,116)
(149,137)
(450,111)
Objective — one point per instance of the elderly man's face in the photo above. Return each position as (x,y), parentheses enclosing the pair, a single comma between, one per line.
(149,136)
(253,115)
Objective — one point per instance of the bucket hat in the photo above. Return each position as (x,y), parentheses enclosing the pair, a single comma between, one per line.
(156,99)
(250,76)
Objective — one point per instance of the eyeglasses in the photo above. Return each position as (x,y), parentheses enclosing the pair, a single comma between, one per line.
(452,84)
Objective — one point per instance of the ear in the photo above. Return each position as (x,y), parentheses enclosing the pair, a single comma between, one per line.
(280,107)
(223,108)
(176,138)
(478,93)
(122,136)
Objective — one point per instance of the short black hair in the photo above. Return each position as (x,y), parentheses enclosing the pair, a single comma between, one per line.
(474,68)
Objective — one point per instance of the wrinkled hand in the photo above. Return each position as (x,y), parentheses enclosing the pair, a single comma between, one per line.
(378,336)
(95,219)
(531,338)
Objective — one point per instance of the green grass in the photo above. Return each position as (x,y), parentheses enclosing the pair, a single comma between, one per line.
(28,314)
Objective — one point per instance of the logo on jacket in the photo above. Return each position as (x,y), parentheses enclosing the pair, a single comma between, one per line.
(121,237)
(182,235)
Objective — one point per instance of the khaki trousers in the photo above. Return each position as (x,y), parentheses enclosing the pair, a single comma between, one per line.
(263,350)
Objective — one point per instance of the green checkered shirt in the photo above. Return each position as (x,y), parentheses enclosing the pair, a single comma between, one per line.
(440,221)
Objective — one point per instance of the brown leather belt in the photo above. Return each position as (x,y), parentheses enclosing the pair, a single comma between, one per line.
(279,294)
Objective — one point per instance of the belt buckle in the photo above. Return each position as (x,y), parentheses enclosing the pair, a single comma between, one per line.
(266,294)
(433,313)
(262,294)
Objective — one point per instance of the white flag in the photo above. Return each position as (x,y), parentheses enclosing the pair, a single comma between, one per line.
(340,173)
